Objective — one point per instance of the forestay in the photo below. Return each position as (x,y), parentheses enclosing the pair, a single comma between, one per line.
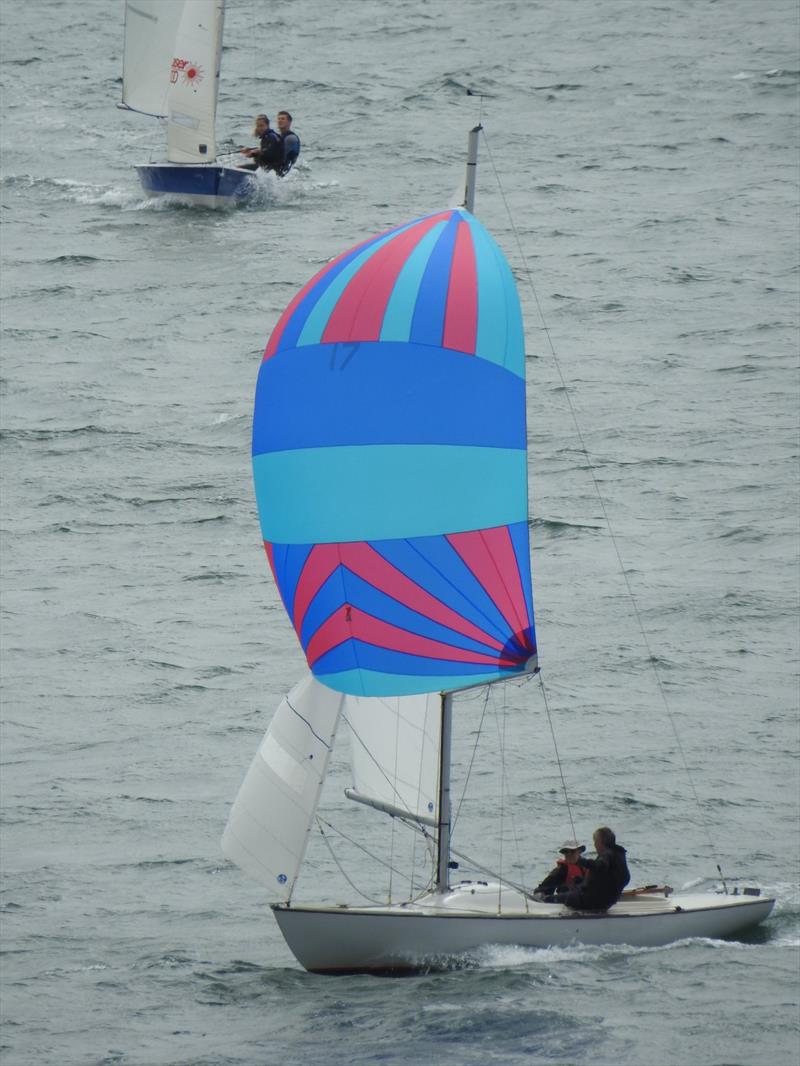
(270,821)
(389,454)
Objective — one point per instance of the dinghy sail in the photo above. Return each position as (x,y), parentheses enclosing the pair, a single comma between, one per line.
(171,70)
(151,28)
(390,467)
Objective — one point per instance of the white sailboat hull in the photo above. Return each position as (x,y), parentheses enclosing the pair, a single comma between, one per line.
(442,931)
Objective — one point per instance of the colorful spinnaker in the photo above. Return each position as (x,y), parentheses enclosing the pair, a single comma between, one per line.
(389,456)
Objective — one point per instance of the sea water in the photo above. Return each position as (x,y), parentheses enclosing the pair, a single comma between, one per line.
(640,169)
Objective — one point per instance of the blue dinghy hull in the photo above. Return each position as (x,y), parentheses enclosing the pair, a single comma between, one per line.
(205,184)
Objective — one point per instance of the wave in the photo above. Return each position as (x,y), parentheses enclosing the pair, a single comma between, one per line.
(90,429)
(269,191)
(637,804)
(78,260)
(215,576)
(681,277)
(514,956)
(75,191)
(561,86)
(743,535)
(559,528)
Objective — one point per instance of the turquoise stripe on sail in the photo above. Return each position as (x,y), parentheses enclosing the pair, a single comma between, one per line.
(381,492)
(400,308)
(515,333)
(367,683)
(499,335)
(317,320)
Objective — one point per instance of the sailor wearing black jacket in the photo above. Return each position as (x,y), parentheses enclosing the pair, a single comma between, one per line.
(606,876)
(269,154)
(290,142)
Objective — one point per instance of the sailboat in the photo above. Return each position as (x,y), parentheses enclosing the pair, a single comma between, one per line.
(390,466)
(171,71)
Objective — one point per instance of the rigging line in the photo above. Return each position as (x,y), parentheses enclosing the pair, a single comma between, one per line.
(471,92)
(585,451)
(376,858)
(501,735)
(400,799)
(507,791)
(341,870)
(505,795)
(492,873)
(473,863)
(394,827)
(423,747)
(454,818)
(558,757)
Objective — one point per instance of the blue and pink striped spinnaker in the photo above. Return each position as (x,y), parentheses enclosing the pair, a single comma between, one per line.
(389,455)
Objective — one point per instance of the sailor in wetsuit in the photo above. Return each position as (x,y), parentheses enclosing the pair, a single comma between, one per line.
(289,141)
(270,154)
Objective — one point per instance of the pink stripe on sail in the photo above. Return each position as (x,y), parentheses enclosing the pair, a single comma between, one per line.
(348,622)
(358,314)
(277,333)
(271,559)
(362,559)
(489,553)
(461,309)
(321,562)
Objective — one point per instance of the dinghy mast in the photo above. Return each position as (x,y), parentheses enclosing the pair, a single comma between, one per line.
(472,168)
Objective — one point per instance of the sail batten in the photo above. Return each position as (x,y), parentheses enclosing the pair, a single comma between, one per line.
(389,456)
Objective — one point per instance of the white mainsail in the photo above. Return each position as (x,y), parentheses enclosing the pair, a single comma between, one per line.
(395,752)
(194,83)
(151,27)
(269,824)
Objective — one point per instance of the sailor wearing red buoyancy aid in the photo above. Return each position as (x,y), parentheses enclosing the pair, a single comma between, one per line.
(567,874)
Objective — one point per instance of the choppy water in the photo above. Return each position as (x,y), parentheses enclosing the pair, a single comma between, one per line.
(648,154)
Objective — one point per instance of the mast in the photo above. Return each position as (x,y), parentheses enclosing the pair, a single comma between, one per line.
(472,168)
(443,836)
(443,806)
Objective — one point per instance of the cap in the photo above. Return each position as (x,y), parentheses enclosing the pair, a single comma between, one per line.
(571,845)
